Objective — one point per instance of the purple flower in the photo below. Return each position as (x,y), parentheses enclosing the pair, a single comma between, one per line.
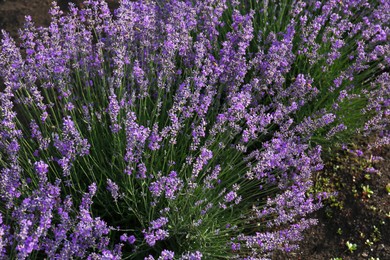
(169,185)
(230,196)
(192,256)
(158,223)
(201,161)
(70,144)
(41,167)
(188,103)
(113,188)
(131,239)
(167,255)
(236,246)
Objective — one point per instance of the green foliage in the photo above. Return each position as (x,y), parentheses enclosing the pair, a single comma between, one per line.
(351,246)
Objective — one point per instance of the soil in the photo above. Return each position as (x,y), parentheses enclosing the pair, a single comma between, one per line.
(353,215)
(13,12)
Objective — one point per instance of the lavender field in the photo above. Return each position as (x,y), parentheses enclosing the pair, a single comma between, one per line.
(175,129)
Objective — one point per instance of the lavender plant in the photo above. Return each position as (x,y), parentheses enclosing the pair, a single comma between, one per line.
(181,129)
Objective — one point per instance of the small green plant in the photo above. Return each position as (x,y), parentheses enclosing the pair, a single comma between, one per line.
(373,208)
(367,192)
(336,258)
(355,191)
(376,234)
(369,243)
(339,231)
(388,188)
(351,246)
(336,202)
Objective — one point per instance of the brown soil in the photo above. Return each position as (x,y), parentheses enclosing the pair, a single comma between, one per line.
(13,12)
(351,216)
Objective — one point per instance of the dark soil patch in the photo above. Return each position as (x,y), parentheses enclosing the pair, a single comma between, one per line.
(353,215)
(13,12)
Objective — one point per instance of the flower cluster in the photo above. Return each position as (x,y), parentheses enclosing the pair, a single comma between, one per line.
(181,129)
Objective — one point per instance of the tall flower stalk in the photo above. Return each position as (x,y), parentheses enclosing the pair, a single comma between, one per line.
(181,129)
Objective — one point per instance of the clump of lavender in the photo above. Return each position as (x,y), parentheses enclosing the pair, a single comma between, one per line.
(181,129)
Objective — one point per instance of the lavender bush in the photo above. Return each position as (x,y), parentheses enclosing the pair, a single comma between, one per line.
(182,129)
